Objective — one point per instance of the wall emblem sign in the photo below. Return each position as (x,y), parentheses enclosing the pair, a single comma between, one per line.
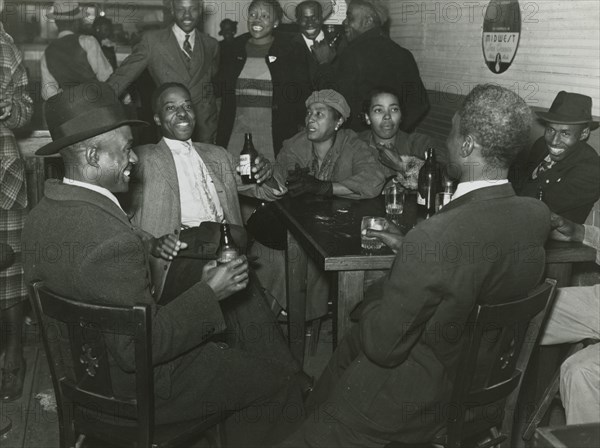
(501,34)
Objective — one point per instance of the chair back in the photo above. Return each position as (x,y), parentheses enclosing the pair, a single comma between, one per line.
(499,342)
(74,339)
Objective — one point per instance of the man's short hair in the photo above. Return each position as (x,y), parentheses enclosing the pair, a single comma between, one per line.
(379,10)
(162,88)
(314,3)
(273,4)
(499,120)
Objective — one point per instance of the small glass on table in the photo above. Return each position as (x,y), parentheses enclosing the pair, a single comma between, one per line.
(374,223)
(394,202)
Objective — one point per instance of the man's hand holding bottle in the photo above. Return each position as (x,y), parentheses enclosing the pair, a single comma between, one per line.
(228,278)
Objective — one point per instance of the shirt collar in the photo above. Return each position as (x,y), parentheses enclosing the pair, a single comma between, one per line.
(179,146)
(467,187)
(103,191)
(310,42)
(65,33)
(180,34)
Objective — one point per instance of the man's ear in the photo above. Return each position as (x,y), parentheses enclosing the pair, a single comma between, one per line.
(157,120)
(584,134)
(467,147)
(91,156)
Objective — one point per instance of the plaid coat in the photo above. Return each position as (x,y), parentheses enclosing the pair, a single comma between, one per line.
(13,191)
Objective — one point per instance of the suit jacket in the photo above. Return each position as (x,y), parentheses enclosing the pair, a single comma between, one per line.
(372,60)
(159,52)
(571,186)
(155,187)
(290,88)
(307,58)
(100,257)
(484,247)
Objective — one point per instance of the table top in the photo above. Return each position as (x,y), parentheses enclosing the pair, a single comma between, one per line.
(580,436)
(329,228)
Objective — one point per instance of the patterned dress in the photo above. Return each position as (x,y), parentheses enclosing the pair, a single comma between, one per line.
(13,191)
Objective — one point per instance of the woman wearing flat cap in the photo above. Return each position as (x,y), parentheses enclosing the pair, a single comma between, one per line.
(325,160)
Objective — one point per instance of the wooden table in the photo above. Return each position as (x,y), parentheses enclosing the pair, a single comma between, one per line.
(328,230)
(574,436)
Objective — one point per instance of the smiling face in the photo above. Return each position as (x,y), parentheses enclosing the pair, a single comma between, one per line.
(384,116)
(309,19)
(175,114)
(261,22)
(358,20)
(115,159)
(321,122)
(186,14)
(562,138)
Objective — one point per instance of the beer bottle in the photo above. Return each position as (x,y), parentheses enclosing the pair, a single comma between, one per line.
(429,182)
(227,249)
(247,160)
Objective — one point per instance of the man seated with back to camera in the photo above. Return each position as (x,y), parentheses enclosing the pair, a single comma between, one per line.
(561,165)
(392,357)
(401,154)
(194,373)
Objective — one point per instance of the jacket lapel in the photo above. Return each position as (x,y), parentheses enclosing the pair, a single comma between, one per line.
(173,53)
(165,165)
(199,64)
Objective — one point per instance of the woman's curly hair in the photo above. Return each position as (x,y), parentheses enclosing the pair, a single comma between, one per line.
(499,120)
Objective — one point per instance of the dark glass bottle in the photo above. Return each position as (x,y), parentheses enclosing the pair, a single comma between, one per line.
(227,248)
(247,160)
(429,182)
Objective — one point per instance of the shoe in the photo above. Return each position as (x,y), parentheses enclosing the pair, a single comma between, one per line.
(12,383)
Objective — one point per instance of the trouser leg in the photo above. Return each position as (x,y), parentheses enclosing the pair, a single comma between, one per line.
(580,386)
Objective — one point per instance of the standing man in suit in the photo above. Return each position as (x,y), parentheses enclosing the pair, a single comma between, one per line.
(371,60)
(310,15)
(561,165)
(73,58)
(179,53)
(394,371)
(106,259)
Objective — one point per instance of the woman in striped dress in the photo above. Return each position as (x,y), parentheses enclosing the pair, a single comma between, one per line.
(15,111)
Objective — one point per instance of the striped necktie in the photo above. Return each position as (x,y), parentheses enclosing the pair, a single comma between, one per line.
(187,49)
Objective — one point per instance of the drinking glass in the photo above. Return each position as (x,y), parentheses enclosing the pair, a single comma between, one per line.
(394,202)
(374,223)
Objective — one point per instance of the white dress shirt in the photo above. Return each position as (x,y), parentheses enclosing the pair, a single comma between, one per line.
(180,36)
(197,193)
(467,187)
(311,42)
(98,62)
(103,191)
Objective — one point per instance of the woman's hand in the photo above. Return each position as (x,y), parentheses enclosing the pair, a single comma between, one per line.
(226,279)
(166,247)
(565,230)
(262,169)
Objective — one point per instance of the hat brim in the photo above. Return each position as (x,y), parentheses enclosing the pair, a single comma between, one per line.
(55,146)
(289,9)
(550,117)
(65,16)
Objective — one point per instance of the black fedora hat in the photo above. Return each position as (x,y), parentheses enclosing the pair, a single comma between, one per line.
(570,108)
(80,112)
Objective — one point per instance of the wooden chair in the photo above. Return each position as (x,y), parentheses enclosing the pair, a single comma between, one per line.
(73,334)
(500,339)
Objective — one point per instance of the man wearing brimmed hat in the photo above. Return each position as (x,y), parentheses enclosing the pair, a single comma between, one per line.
(97,256)
(73,58)
(178,53)
(561,166)
(372,59)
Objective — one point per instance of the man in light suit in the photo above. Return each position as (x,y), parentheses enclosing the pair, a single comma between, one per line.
(394,371)
(107,262)
(179,53)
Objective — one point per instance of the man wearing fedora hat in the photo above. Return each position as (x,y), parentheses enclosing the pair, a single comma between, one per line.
(561,166)
(73,58)
(106,260)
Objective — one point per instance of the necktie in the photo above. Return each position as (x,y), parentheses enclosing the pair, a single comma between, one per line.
(202,192)
(187,49)
(546,164)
